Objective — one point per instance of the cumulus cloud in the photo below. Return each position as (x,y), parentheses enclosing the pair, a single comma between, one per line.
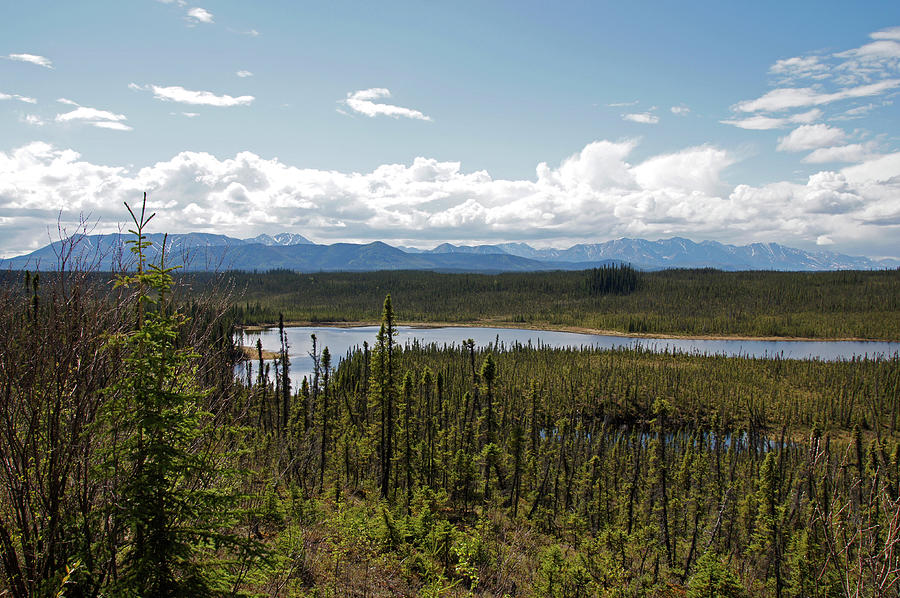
(15,96)
(810,137)
(830,193)
(600,165)
(600,192)
(363,102)
(176,93)
(243,74)
(695,170)
(103,119)
(680,110)
(31,58)
(642,117)
(199,15)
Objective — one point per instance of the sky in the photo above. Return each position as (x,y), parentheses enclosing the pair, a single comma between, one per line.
(417,123)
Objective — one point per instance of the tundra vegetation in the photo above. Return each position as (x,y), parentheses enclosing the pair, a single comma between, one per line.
(133,463)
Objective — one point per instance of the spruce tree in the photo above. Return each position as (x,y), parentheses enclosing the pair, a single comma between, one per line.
(326,366)
(173,495)
(383,389)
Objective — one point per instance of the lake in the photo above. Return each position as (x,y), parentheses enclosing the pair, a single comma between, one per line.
(340,340)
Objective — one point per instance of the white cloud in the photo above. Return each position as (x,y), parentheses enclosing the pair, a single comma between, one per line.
(362,102)
(199,15)
(34,119)
(103,119)
(692,170)
(598,193)
(623,104)
(594,194)
(800,67)
(15,96)
(642,117)
(89,114)
(854,152)
(889,33)
(763,123)
(879,169)
(600,165)
(793,97)
(244,74)
(861,111)
(865,71)
(116,126)
(186,96)
(810,137)
(882,48)
(829,193)
(872,61)
(822,79)
(31,58)
(680,110)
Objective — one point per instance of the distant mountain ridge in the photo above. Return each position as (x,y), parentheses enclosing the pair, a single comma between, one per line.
(205,251)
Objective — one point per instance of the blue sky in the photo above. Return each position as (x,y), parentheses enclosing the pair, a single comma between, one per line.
(418,123)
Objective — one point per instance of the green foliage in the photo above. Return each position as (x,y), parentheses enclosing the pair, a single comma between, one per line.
(713,579)
(439,471)
(560,577)
(173,498)
(690,302)
(619,279)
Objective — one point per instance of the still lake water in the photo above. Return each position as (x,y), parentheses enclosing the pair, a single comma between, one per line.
(341,340)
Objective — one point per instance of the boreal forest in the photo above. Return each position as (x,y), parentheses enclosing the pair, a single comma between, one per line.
(135,462)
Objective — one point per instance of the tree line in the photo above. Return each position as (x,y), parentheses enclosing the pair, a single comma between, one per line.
(690,302)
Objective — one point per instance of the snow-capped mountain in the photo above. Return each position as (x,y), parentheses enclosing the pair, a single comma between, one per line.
(279,239)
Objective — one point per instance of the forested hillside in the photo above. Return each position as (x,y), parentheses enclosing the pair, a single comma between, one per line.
(687,302)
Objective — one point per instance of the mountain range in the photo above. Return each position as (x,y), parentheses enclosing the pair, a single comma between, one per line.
(204,251)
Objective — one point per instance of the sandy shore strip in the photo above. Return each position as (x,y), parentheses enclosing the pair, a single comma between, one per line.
(555,328)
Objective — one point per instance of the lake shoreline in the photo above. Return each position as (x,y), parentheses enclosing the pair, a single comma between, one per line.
(250,329)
